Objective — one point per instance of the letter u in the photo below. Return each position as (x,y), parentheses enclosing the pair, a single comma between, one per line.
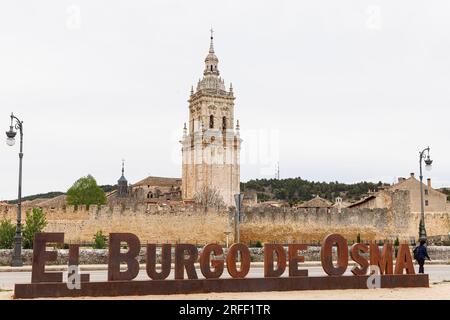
(166,257)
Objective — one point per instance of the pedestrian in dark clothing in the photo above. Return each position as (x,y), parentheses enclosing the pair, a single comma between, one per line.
(420,254)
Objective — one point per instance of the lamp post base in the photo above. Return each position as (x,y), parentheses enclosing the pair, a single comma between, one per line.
(17,254)
(422,231)
(17,262)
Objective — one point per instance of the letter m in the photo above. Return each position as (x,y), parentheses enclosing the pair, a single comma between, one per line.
(384,259)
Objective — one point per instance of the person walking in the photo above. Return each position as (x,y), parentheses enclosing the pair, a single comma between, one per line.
(420,254)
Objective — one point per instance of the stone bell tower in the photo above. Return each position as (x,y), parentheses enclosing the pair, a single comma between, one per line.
(211,145)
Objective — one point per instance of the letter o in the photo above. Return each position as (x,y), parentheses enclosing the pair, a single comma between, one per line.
(326,254)
(245,260)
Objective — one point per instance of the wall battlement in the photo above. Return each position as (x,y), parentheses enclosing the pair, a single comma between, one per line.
(190,223)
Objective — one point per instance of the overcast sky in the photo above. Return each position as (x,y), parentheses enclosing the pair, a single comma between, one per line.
(333,90)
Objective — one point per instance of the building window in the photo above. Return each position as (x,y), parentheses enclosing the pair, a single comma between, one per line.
(426,192)
(426,202)
(224,123)
(211,122)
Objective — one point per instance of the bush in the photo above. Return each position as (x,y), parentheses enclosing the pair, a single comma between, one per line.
(7,232)
(100,240)
(396,244)
(358,238)
(258,244)
(34,223)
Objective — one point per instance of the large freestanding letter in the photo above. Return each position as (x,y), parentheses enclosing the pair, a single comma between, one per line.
(384,262)
(295,259)
(326,254)
(404,260)
(355,251)
(40,256)
(206,262)
(74,253)
(166,258)
(129,257)
(269,251)
(182,262)
(245,260)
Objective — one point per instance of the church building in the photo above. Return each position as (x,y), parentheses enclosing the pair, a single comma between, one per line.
(211,143)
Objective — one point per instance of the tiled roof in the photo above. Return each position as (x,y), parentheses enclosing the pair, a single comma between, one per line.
(159,181)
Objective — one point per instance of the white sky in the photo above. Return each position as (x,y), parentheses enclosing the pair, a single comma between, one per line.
(343,90)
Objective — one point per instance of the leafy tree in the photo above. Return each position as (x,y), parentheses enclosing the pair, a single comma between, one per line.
(85,191)
(100,240)
(7,232)
(35,222)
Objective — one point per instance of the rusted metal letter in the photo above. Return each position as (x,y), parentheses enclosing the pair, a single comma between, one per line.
(116,257)
(295,259)
(166,259)
(245,260)
(269,251)
(383,261)
(404,260)
(206,263)
(74,253)
(326,254)
(40,256)
(181,262)
(355,251)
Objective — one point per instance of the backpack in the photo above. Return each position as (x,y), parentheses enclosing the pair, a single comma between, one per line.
(416,253)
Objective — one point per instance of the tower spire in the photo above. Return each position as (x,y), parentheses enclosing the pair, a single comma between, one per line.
(211,45)
(122,183)
(211,60)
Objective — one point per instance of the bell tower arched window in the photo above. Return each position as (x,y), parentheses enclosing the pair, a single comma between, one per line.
(211,121)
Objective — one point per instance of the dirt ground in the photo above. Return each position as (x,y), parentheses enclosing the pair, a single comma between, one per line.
(437,291)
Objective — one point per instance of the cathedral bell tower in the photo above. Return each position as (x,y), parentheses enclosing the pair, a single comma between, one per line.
(211,145)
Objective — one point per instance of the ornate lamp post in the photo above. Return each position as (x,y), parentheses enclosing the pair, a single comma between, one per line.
(17,257)
(424,155)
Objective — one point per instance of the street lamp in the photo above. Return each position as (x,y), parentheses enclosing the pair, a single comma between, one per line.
(424,155)
(10,140)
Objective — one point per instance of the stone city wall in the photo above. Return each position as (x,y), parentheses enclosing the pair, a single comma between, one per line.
(151,223)
(190,224)
(294,225)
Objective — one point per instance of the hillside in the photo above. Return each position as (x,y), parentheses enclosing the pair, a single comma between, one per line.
(295,190)
(106,188)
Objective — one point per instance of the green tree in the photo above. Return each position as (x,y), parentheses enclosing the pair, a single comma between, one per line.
(85,191)
(7,232)
(100,240)
(35,222)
